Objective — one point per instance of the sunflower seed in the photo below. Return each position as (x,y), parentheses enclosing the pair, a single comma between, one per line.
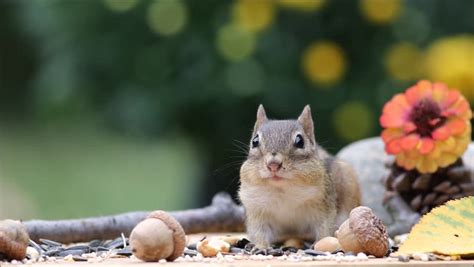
(73,252)
(50,243)
(190,252)
(242,243)
(78,258)
(125,251)
(313,252)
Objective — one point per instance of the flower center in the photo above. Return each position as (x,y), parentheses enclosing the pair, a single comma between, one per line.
(426,115)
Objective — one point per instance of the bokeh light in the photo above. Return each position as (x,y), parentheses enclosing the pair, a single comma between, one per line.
(353,120)
(167,17)
(120,5)
(412,26)
(234,43)
(324,63)
(254,15)
(380,11)
(404,62)
(245,77)
(303,5)
(451,60)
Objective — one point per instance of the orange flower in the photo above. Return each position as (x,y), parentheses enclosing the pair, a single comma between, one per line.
(426,127)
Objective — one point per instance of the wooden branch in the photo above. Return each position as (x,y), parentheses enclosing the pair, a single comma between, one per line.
(223,215)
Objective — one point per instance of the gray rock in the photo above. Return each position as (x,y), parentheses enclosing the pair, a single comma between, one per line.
(368,158)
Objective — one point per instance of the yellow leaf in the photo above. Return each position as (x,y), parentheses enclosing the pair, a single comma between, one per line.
(446,230)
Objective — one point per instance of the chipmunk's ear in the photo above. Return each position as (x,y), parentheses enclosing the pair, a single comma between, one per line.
(306,121)
(261,117)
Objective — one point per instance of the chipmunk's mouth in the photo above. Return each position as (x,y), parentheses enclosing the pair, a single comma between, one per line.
(276,178)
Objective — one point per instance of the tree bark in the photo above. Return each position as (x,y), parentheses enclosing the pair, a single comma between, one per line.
(223,215)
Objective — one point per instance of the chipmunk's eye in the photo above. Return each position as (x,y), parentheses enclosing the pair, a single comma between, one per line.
(299,142)
(255,141)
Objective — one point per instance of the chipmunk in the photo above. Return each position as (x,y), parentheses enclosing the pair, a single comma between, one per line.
(291,187)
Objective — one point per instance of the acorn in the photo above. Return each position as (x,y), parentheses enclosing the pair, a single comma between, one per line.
(328,243)
(159,236)
(13,239)
(363,232)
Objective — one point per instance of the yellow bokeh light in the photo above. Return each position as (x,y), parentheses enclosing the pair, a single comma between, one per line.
(451,60)
(380,11)
(254,15)
(353,120)
(167,17)
(303,5)
(235,43)
(404,62)
(120,5)
(324,63)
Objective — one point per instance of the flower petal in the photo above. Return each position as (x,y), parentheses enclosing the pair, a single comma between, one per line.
(440,92)
(446,159)
(451,97)
(447,145)
(456,126)
(426,166)
(395,112)
(426,145)
(462,144)
(409,142)
(441,133)
(398,103)
(389,120)
(393,147)
(409,127)
(405,162)
(390,134)
(422,89)
(436,153)
(459,107)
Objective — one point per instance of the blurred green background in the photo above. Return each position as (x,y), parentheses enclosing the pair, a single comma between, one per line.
(117,105)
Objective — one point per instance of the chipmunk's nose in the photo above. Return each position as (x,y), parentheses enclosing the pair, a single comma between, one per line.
(274,166)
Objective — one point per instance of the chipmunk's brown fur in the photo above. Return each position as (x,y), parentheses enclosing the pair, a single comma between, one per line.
(290,186)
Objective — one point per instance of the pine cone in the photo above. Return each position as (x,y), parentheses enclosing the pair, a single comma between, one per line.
(423,192)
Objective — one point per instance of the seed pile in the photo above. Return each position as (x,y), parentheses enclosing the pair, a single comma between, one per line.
(94,251)
(242,249)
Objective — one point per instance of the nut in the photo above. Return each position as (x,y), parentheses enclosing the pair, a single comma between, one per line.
(157,237)
(13,239)
(210,247)
(363,232)
(329,244)
(231,239)
(294,243)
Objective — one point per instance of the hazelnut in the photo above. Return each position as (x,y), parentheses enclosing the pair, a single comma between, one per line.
(210,247)
(294,243)
(328,243)
(363,232)
(159,236)
(13,239)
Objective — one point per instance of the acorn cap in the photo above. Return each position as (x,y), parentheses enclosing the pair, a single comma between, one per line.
(13,239)
(369,231)
(179,237)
